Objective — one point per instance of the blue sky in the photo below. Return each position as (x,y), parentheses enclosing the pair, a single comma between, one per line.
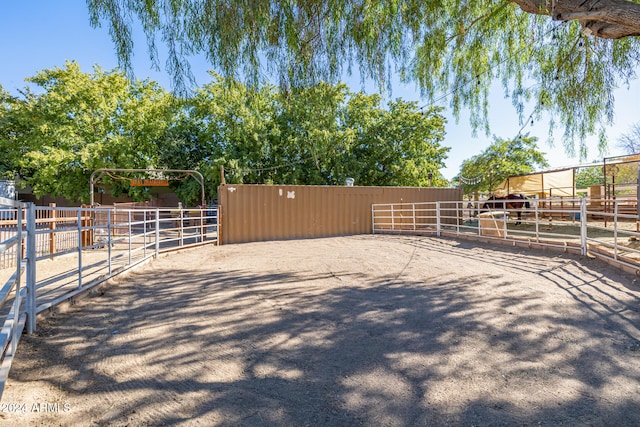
(39,34)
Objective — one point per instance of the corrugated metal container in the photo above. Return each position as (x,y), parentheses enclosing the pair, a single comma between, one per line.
(251,213)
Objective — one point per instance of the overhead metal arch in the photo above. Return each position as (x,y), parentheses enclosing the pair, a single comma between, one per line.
(99,173)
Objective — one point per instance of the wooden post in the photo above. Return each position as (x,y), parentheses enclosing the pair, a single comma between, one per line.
(87,235)
(52,227)
(222,180)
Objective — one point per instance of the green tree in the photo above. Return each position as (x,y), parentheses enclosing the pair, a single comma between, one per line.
(589,175)
(321,135)
(502,159)
(312,136)
(227,123)
(564,56)
(622,173)
(82,122)
(11,128)
(186,146)
(398,146)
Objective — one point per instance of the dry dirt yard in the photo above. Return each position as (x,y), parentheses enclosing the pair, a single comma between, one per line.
(361,330)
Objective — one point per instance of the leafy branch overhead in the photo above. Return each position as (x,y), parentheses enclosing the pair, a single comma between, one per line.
(564,56)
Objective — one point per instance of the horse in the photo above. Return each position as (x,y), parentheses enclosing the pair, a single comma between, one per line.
(509,202)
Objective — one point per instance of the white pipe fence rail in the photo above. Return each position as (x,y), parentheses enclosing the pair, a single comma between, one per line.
(75,249)
(17,299)
(601,228)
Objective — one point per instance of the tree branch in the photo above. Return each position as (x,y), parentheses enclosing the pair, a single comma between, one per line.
(611,19)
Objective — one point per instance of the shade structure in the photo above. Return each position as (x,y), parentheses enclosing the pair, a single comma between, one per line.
(557,183)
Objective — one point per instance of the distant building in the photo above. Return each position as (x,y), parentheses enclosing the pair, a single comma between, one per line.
(8,189)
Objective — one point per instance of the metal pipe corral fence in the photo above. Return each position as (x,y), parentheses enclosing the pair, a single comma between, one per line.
(576,225)
(17,296)
(49,255)
(76,249)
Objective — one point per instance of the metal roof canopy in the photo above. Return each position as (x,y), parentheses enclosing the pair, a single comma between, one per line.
(195,174)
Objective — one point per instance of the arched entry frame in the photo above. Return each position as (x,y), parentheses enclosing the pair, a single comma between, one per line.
(99,173)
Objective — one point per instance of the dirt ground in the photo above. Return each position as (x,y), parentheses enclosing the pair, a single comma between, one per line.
(361,330)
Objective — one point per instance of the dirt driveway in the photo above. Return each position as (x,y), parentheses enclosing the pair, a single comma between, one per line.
(362,330)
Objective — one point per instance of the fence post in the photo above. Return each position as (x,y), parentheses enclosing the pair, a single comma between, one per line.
(157,232)
(393,226)
(144,233)
(20,254)
(20,249)
(583,226)
(31,268)
(219,231)
(505,228)
(203,230)
(615,230)
(109,240)
(438,226)
(373,219)
(478,209)
(87,234)
(413,211)
(181,232)
(22,224)
(535,209)
(79,248)
(130,235)
(52,226)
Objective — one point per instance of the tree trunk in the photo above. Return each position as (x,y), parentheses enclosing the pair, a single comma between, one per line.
(608,19)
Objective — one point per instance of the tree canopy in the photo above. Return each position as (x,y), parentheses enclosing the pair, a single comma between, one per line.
(81,122)
(319,135)
(78,122)
(564,57)
(589,175)
(502,159)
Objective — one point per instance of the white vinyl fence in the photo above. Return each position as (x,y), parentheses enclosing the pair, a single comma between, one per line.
(607,229)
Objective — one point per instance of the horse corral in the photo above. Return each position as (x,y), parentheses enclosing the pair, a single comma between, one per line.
(362,330)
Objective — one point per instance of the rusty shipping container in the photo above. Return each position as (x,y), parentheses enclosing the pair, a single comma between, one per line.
(251,213)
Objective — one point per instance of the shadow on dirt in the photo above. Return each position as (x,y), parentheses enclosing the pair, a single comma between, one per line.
(356,348)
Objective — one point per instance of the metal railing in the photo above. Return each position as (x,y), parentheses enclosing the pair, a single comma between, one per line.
(582,225)
(85,248)
(17,295)
(105,242)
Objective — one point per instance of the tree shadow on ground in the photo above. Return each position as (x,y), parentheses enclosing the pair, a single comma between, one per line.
(528,341)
